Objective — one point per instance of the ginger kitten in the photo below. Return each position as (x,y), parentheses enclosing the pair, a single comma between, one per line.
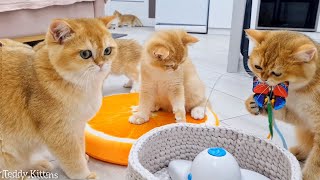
(169,80)
(48,95)
(281,56)
(127,19)
(127,62)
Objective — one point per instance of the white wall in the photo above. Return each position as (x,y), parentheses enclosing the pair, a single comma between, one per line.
(139,8)
(220,13)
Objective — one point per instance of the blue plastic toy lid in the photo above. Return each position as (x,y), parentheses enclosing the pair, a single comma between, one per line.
(217,152)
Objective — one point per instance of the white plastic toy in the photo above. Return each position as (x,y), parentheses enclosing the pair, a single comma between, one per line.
(211,164)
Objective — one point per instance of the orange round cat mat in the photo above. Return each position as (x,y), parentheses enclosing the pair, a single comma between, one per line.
(109,135)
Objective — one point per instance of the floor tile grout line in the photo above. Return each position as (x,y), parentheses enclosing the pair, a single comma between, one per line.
(223,120)
(229,94)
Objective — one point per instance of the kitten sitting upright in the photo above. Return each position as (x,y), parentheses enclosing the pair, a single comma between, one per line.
(127,19)
(48,95)
(169,80)
(284,56)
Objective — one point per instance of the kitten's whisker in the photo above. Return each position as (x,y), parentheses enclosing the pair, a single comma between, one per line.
(89,77)
(82,78)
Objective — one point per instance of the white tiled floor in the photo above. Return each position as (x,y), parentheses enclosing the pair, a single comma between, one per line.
(231,89)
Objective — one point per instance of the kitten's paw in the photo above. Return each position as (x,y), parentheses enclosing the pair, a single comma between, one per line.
(155,108)
(134,90)
(136,119)
(252,106)
(198,112)
(43,165)
(134,109)
(92,175)
(87,157)
(135,87)
(180,116)
(298,153)
(128,84)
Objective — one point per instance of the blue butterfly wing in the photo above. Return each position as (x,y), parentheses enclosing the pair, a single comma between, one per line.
(259,99)
(279,103)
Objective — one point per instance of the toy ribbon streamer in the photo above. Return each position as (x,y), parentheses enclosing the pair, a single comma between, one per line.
(273,98)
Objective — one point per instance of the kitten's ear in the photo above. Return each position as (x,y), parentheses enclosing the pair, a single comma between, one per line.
(305,53)
(60,30)
(256,35)
(161,52)
(107,20)
(188,39)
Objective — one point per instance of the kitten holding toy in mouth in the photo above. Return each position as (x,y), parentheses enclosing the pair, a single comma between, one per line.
(169,80)
(284,56)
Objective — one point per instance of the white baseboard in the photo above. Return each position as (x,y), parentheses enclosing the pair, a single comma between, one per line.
(194,29)
(147,21)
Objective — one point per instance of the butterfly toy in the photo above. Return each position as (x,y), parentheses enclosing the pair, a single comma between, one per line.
(277,94)
(271,98)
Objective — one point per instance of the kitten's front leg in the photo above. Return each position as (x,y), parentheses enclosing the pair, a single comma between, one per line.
(305,139)
(120,24)
(311,170)
(83,146)
(146,104)
(177,100)
(128,84)
(66,146)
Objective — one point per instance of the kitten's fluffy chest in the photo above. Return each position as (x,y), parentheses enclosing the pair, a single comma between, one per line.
(163,76)
(86,111)
(304,106)
(86,106)
(164,82)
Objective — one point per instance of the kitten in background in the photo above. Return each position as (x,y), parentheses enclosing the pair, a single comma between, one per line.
(281,56)
(48,94)
(127,62)
(127,19)
(169,80)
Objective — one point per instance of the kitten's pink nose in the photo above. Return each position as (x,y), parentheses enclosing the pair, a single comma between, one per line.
(100,65)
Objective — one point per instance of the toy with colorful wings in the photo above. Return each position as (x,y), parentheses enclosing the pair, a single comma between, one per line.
(276,94)
(271,97)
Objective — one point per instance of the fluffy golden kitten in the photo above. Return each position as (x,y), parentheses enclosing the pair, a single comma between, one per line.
(127,62)
(48,95)
(39,45)
(169,80)
(290,56)
(127,19)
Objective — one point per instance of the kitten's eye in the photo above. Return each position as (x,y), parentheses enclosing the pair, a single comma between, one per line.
(107,51)
(86,54)
(276,74)
(168,66)
(258,67)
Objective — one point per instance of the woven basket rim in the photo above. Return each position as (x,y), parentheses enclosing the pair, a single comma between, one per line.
(135,164)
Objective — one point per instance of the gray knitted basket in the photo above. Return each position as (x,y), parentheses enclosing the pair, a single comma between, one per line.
(152,153)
